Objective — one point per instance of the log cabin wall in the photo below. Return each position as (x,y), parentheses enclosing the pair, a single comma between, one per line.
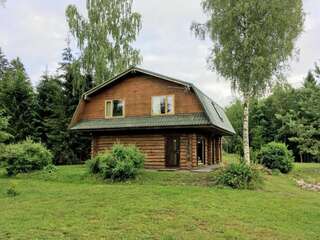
(137,93)
(153,146)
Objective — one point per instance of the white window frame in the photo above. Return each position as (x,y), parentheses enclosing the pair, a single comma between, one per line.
(111,100)
(166,105)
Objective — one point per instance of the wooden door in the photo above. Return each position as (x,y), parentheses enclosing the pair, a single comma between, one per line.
(172,151)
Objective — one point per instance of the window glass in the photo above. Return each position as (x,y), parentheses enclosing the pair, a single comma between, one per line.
(117,109)
(170,104)
(108,109)
(162,105)
(156,105)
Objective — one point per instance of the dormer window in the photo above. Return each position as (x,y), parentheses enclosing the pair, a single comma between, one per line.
(162,105)
(114,108)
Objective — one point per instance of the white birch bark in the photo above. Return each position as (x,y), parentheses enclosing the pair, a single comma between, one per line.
(246,148)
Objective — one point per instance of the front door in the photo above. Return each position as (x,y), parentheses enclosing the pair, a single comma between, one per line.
(201,149)
(172,151)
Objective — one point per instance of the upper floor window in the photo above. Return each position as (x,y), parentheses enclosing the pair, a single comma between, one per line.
(114,108)
(162,105)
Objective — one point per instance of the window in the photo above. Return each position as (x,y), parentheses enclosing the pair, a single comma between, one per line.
(114,108)
(162,105)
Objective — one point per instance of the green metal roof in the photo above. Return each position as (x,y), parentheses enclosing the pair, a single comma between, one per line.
(194,119)
(214,114)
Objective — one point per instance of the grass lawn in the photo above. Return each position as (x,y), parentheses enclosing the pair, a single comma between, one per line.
(69,204)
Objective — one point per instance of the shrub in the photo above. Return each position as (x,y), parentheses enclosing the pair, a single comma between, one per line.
(239,176)
(50,168)
(276,156)
(25,157)
(12,190)
(121,163)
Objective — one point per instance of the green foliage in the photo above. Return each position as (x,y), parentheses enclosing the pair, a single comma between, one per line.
(18,101)
(25,156)
(12,190)
(77,145)
(276,156)
(50,168)
(251,39)
(105,37)
(288,115)
(4,122)
(4,64)
(239,176)
(121,163)
(93,164)
(51,120)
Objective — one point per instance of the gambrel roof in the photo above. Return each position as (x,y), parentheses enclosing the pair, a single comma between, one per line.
(213,115)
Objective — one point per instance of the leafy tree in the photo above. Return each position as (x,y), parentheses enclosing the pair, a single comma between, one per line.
(251,42)
(18,100)
(234,113)
(4,64)
(105,37)
(310,80)
(4,122)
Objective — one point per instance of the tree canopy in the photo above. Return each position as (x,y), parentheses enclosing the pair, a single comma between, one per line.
(252,41)
(105,37)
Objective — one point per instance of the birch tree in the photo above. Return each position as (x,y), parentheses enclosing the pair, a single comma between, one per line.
(252,41)
(105,37)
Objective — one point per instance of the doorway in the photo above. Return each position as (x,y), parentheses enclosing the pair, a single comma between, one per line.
(172,151)
(201,157)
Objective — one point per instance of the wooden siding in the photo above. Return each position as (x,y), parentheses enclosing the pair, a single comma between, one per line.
(137,93)
(151,145)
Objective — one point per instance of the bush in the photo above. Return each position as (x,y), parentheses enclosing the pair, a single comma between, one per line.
(276,156)
(11,190)
(25,157)
(239,176)
(50,168)
(121,163)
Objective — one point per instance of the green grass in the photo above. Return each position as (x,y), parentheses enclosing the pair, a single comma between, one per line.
(310,172)
(70,204)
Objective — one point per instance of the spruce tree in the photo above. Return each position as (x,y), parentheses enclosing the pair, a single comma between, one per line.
(17,98)
(77,144)
(51,128)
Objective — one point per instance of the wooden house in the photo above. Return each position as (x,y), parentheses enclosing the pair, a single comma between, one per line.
(173,122)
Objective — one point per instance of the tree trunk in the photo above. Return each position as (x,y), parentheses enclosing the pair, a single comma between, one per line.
(246,148)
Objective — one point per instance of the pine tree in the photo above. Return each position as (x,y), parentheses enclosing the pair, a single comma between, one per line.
(77,144)
(17,98)
(51,116)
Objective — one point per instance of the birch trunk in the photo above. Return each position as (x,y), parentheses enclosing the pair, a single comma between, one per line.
(246,148)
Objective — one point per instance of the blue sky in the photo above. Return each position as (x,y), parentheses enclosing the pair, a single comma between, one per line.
(35,30)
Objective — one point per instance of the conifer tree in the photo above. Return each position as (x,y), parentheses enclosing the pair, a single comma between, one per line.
(17,98)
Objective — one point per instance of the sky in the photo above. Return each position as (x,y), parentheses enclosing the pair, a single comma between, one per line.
(36,31)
